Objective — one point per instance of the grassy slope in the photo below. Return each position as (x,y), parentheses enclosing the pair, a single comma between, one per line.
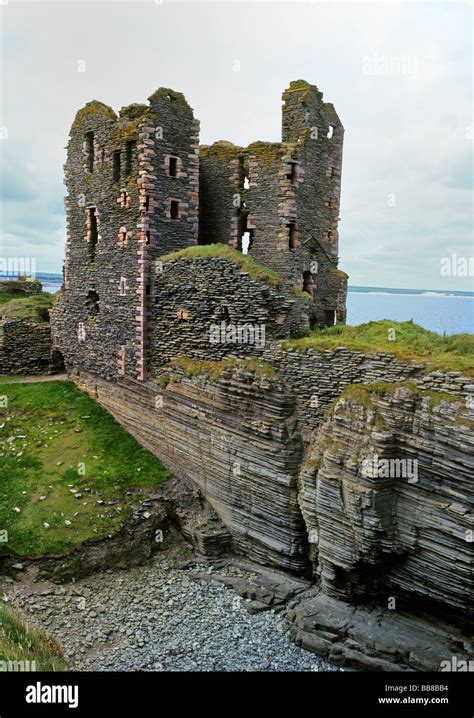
(62,429)
(18,642)
(36,306)
(246,263)
(412,342)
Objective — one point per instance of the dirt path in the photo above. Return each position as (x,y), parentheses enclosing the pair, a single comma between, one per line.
(35,379)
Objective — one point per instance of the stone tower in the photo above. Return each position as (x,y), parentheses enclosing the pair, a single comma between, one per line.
(132,185)
(280,201)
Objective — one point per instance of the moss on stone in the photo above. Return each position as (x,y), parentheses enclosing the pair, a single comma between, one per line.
(406,341)
(36,307)
(214,369)
(223,251)
(222,151)
(125,131)
(266,152)
(363,393)
(133,111)
(94,109)
(167,93)
(300,293)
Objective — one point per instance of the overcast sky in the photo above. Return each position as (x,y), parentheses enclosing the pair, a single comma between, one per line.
(399,75)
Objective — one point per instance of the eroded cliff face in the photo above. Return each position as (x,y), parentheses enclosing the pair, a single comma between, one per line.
(374,504)
(386,492)
(234,435)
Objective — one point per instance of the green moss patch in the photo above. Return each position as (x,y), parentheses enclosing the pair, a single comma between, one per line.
(21,645)
(223,251)
(93,109)
(266,152)
(35,307)
(223,151)
(407,341)
(65,462)
(214,369)
(362,393)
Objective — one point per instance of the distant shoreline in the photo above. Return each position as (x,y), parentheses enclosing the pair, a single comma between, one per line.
(53,280)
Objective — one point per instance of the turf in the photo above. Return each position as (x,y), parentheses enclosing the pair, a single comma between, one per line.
(24,648)
(406,340)
(57,442)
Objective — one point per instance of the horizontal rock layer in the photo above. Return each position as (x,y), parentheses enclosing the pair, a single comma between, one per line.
(235,438)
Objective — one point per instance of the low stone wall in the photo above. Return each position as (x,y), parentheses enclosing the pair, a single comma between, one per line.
(193,296)
(21,287)
(25,347)
(317,378)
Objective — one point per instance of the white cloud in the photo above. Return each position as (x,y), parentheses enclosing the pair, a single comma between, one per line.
(405,133)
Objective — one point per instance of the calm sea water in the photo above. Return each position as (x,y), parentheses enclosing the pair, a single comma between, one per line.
(441,313)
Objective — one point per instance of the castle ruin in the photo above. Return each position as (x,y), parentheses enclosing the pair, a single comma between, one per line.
(140,187)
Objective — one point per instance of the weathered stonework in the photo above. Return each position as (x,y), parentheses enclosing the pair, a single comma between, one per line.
(286,196)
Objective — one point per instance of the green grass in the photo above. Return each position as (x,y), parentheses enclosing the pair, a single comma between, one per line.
(36,307)
(410,342)
(243,261)
(18,642)
(55,438)
(363,395)
(214,369)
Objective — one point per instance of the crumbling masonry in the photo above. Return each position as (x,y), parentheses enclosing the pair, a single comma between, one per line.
(140,187)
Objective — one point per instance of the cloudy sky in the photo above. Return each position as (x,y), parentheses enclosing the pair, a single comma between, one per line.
(399,74)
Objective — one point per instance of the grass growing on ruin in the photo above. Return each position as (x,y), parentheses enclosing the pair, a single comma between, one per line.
(60,454)
(20,643)
(214,369)
(243,261)
(406,340)
(34,307)
(363,394)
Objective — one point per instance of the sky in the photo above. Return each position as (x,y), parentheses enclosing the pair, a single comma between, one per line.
(399,75)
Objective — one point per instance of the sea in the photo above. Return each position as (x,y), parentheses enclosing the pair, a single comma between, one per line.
(443,312)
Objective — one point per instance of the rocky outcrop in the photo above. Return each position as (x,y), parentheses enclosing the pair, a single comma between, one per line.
(373,506)
(234,436)
(386,490)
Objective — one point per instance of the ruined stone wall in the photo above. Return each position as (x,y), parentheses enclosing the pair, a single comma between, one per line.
(192,296)
(20,287)
(290,206)
(25,346)
(317,378)
(220,188)
(132,195)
